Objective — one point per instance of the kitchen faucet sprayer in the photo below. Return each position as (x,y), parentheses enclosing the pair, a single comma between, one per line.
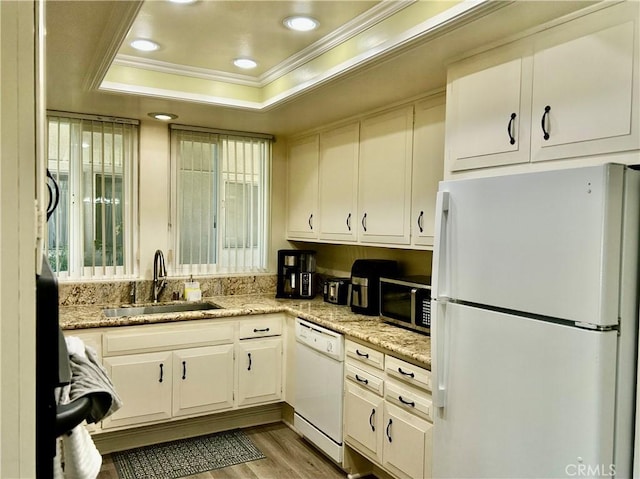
(159,275)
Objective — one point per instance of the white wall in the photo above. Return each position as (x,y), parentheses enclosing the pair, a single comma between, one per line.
(17,240)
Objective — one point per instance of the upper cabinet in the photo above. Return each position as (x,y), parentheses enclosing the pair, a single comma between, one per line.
(338,183)
(384,184)
(302,188)
(569,91)
(428,165)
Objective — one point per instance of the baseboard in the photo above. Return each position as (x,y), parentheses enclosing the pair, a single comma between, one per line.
(121,440)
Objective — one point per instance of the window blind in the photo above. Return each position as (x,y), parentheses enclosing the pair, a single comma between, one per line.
(219,201)
(94,162)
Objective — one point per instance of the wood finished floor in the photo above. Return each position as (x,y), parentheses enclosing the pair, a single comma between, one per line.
(288,457)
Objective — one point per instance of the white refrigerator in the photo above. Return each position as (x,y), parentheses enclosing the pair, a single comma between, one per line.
(534,328)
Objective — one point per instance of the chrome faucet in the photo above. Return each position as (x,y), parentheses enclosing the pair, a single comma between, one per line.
(159,275)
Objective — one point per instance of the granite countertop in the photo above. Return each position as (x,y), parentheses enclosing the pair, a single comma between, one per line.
(401,342)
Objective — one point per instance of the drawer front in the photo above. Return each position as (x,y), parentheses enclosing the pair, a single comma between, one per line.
(364,379)
(365,354)
(410,399)
(163,337)
(261,327)
(414,375)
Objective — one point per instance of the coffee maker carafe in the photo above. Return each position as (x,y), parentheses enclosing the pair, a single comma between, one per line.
(296,273)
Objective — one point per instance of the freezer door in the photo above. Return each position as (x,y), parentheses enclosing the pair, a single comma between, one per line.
(544,243)
(521,397)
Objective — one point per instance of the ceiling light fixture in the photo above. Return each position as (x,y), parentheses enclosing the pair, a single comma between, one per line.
(144,45)
(246,63)
(300,23)
(163,116)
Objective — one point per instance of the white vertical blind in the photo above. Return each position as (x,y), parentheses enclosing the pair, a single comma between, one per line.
(219,201)
(94,162)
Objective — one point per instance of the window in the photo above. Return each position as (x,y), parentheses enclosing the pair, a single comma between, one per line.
(94,161)
(219,200)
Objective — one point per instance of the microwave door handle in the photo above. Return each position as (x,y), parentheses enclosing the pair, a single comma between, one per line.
(414,291)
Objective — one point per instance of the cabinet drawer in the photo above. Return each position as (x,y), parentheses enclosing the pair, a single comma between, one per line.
(365,354)
(162,337)
(364,379)
(414,375)
(409,399)
(260,327)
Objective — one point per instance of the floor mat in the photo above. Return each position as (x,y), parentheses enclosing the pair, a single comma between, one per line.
(181,458)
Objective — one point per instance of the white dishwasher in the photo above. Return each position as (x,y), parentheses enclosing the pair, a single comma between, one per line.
(319,386)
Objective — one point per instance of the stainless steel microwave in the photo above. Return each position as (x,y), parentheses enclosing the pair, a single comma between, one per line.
(407,302)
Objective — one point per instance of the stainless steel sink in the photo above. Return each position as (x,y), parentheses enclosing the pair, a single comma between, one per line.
(159,308)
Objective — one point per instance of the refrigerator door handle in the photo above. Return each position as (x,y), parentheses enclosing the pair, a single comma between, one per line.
(438,341)
(439,247)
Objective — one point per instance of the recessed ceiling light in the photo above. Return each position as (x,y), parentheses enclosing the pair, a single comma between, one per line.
(245,63)
(301,24)
(144,45)
(163,116)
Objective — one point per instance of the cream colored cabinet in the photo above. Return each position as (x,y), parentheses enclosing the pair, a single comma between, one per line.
(585,99)
(406,443)
(363,419)
(566,92)
(259,371)
(488,110)
(384,177)
(202,380)
(144,383)
(338,183)
(302,188)
(428,165)
(388,412)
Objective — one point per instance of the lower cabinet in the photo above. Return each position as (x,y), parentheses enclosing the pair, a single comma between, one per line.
(170,371)
(259,371)
(388,420)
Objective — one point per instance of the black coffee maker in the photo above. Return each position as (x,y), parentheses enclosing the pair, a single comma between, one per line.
(296,274)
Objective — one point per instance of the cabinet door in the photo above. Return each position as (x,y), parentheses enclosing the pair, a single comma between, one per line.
(488,110)
(259,371)
(587,86)
(406,447)
(302,188)
(203,379)
(428,164)
(384,184)
(143,382)
(363,420)
(339,183)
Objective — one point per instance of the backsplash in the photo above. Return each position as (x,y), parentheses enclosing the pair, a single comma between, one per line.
(118,292)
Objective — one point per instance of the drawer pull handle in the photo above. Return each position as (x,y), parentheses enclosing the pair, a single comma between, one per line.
(362,355)
(310,221)
(388,432)
(349,221)
(410,374)
(161,373)
(184,370)
(364,222)
(408,403)
(421,221)
(547,109)
(512,140)
(249,368)
(373,413)
(361,380)
(265,330)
